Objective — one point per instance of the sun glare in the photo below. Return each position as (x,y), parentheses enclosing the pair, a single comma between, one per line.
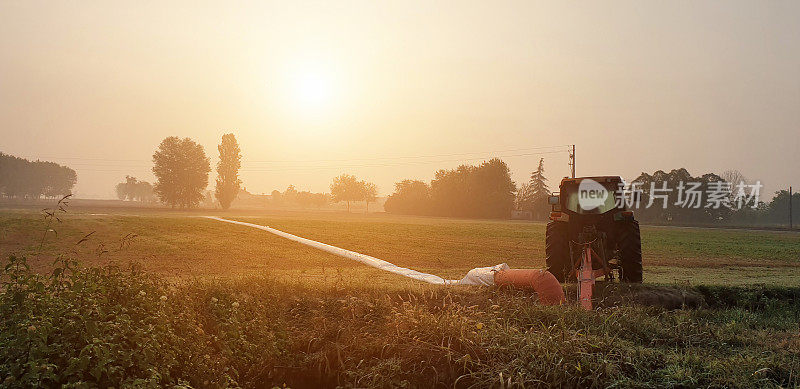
(312,91)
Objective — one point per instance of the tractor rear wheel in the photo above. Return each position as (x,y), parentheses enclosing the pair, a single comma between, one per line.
(630,252)
(556,250)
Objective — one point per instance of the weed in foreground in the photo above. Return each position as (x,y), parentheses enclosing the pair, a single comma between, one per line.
(123,327)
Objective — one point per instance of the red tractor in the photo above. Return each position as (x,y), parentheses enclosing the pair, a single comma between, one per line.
(592,233)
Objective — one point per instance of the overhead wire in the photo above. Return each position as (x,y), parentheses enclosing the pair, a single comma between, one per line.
(390,161)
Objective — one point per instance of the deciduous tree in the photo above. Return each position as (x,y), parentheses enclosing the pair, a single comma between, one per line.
(369,192)
(485,190)
(410,197)
(181,169)
(346,188)
(33,179)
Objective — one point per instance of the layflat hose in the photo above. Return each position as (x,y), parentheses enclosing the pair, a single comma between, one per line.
(363,258)
(541,281)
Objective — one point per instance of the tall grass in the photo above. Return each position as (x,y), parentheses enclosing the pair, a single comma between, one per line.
(123,327)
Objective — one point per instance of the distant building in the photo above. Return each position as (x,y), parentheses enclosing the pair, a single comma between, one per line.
(245,199)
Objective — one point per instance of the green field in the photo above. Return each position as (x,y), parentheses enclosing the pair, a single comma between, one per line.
(218,304)
(182,244)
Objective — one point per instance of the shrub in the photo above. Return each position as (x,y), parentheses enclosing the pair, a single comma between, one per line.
(121,327)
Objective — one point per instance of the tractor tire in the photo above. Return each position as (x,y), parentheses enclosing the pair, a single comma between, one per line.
(630,252)
(556,250)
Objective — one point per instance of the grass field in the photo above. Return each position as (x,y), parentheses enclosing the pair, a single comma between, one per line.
(241,307)
(181,244)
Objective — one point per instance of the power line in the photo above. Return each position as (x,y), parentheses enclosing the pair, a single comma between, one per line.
(413,156)
(108,165)
(406,163)
(553,148)
(351,166)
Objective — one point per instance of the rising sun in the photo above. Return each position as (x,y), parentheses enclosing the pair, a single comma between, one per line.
(312,90)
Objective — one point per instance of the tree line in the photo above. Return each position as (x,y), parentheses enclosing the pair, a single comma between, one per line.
(347,188)
(486,191)
(21,178)
(668,208)
(134,190)
(473,191)
(482,191)
(303,199)
(181,168)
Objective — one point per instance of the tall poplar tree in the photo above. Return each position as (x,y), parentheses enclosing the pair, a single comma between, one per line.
(230,160)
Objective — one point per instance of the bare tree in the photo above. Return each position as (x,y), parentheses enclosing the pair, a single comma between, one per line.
(734,177)
(524,197)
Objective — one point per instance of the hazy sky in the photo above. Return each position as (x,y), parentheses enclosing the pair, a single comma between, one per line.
(397,90)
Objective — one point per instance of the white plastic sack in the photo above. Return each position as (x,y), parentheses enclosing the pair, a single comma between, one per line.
(483,276)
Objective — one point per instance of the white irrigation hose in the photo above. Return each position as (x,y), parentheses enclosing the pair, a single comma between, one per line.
(365,259)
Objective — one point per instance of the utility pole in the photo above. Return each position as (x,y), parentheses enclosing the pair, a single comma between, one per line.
(572,160)
(790,207)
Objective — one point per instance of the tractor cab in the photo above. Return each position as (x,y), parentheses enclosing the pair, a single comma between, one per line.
(589,210)
(588,198)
